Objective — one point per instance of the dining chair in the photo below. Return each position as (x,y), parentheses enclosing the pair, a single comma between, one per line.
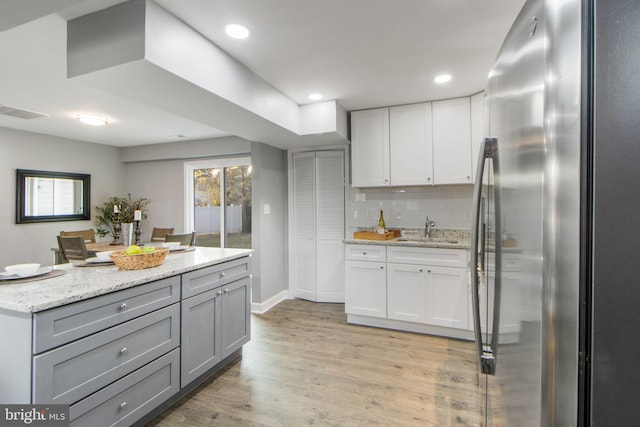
(72,248)
(186,239)
(160,234)
(89,235)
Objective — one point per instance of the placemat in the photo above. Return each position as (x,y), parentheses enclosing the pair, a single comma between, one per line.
(49,275)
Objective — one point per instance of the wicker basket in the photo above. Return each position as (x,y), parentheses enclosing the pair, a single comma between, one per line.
(139,261)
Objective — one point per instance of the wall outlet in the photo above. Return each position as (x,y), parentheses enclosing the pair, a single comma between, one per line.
(266,209)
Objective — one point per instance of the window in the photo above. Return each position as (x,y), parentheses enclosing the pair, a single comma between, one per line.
(219,202)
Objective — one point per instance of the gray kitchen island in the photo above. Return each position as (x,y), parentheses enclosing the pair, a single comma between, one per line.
(120,346)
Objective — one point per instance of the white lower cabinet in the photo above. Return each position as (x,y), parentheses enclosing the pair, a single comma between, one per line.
(366,293)
(448,296)
(407,292)
(413,288)
(365,274)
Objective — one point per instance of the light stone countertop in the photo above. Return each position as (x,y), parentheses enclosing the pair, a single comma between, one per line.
(442,238)
(79,283)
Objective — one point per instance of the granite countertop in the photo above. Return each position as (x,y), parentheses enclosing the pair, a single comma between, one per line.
(79,283)
(441,238)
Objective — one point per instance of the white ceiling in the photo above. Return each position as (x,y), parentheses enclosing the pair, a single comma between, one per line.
(362,53)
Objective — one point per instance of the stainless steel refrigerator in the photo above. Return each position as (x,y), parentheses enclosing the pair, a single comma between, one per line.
(556,295)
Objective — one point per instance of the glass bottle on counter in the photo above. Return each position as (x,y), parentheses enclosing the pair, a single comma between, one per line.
(382,228)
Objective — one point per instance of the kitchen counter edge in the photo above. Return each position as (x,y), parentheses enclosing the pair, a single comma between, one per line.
(462,244)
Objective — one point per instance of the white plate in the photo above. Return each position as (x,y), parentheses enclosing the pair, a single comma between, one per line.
(178,248)
(39,272)
(96,260)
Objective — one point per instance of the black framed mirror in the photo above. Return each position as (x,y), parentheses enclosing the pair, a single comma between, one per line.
(43,196)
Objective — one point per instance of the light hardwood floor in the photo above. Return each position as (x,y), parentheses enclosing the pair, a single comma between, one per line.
(306,366)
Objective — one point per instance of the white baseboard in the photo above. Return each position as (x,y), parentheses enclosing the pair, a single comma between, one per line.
(261,308)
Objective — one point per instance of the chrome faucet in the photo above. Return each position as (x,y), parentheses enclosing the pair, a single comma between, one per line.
(427,227)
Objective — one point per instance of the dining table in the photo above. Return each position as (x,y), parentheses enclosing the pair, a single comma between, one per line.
(95,247)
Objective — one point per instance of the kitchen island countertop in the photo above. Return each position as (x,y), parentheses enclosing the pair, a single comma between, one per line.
(79,283)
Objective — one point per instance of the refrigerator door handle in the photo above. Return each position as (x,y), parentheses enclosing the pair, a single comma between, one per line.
(486,353)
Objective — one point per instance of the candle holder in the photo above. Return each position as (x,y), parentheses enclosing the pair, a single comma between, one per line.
(137,232)
(116,229)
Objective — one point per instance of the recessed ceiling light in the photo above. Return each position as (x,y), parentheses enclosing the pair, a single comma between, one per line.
(237,31)
(92,120)
(315,96)
(442,78)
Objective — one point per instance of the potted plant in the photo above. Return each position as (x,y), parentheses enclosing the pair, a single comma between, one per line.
(126,207)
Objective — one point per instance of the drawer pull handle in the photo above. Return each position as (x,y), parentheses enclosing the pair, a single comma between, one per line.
(123,306)
(219,292)
(381,267)
(226,291)
(124,350)
(364,253)
(223,274)
(123,405)
(421,270)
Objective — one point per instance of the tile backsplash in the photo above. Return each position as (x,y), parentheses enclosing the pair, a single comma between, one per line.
(407,207)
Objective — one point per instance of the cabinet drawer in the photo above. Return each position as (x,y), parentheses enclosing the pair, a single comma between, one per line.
(61,325)
(130,398)
(205,279)
(428,256)
(365,253)
(73,371)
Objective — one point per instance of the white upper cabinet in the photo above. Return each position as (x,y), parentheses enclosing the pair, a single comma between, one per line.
(452,141)
(417,144)
(411,144)
(370,148)
(478,129)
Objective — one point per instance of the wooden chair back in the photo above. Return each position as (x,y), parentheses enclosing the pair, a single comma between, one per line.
(72,248)
(186,239)
(88,235)
(160,234)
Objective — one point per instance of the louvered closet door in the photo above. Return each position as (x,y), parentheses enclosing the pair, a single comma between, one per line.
(330,225)
(318,230)
(304,226)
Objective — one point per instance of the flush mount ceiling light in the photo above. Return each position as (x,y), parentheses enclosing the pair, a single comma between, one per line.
(442,78)
(237,31)
(92,120)
(315,96)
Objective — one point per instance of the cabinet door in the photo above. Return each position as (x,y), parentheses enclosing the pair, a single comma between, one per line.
(304,226)
(236,315)
(370,148)
(411,144)
(406,292)
(365,288)
(318,226)
(201,339)
(452,141)
(330,226)
(478,129)
(448,297)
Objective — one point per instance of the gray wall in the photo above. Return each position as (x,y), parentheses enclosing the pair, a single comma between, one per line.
(163,183)
(269,187)
(24,150)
